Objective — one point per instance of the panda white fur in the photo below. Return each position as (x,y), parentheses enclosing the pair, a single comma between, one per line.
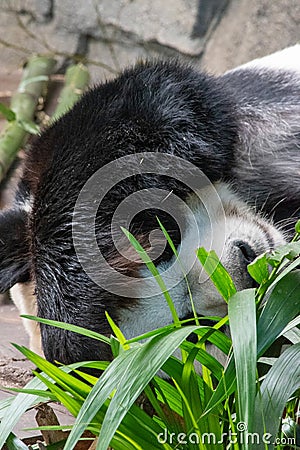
(242,130)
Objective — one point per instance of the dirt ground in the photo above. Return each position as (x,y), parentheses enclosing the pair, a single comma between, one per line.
(15,371)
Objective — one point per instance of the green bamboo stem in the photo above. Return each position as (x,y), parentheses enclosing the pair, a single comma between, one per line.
(76,81)
(24,103)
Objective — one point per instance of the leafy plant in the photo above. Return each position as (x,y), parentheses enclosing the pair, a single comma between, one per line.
(238,406)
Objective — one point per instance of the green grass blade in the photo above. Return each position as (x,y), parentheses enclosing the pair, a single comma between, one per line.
(127,375)
(99,365)
(151,266)
(225,387)
(190,394)
(242,320)
(206,359)
(69,327)
(171,244)
(17,408)
(117,332)
(190,418)
(73,385)
(282,307)
(72,404)
(152,354)
(216,337)
(291,266)
(46,396)
(259,269)
(166,393)
(217,273)
(13,443)
(282,380)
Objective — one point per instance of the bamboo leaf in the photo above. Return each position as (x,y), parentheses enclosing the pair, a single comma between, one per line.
(13,443)
(8,113)
(282,306)
(217,273)
(127,375)
(279,384)
(242,320)
(289,251)
(76,387)
(151,266)
(17,408)
(259,269)
(70,327)
(118,333)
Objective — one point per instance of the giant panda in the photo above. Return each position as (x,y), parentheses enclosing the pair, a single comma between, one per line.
(215,159)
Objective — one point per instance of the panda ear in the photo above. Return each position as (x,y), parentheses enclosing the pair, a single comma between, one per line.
(14,248)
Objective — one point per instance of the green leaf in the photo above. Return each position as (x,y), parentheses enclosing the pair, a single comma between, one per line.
(9,114)
(297,227)
(69,327)
(206,360)
(242,320)
(259,269)
(118,333)
(72,404)
(17,408)
(4,405)
(217,273)
(13,443)
(191,420)
(190,394)
(282,380)
(151,266)
(225,387)
(171,244)
(279,276)
(216,337)
(38,392)
(289,251)
(166,393)
(127,375)
(74,386)
(282,306)
(293,334)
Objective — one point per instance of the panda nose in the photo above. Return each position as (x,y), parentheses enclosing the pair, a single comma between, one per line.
(246,251)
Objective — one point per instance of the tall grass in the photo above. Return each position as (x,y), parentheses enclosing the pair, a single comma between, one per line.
(251,402)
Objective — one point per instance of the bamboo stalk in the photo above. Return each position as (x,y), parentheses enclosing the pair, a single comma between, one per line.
(24,103)
(76,81)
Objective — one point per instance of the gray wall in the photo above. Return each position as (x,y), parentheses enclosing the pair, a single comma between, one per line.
(215,34)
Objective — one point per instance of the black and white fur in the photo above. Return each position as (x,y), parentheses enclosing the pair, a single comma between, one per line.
(241,129)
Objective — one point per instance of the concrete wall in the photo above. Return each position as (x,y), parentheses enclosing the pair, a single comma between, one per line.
(215,34)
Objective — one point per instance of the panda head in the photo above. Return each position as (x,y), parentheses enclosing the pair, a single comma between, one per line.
(160,115)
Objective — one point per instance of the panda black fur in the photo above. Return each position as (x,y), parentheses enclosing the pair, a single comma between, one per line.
(241,129)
